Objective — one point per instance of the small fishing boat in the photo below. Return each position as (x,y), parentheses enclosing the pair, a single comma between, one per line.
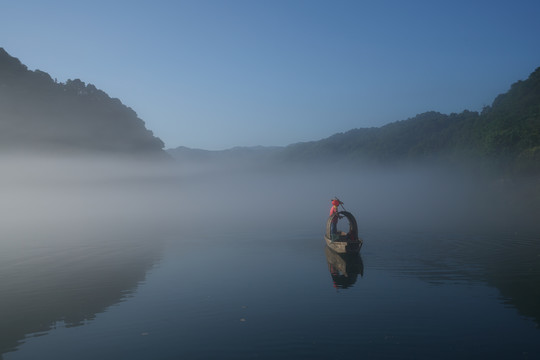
(340,241)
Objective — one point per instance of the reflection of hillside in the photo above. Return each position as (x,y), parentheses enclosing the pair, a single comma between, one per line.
(344,268)
(517,276)
(510,263)
(47,282)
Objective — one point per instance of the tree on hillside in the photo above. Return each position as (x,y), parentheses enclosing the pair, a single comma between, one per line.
(39,113)
(507,134)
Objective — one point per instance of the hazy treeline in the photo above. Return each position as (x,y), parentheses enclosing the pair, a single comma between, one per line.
(38,113)
(504,137)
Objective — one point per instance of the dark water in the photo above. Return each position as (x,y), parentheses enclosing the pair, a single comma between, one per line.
(187,279)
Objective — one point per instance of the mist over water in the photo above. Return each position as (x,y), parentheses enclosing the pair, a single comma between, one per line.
(160,251)
(79,189)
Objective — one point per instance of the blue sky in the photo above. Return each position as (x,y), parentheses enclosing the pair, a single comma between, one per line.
(217,74)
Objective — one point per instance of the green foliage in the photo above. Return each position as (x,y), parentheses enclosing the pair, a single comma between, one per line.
(505,135)
(37,113)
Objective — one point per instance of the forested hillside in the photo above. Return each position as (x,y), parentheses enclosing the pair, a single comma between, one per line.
(505,135)
(39,114)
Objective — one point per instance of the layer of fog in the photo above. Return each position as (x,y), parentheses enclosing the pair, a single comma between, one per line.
(168,199)
(80,233)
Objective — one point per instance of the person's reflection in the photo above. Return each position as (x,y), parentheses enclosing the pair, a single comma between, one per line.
(344,268)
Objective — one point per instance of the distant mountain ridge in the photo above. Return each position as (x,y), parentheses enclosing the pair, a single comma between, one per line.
(504,136)
(233,155)
(39,114)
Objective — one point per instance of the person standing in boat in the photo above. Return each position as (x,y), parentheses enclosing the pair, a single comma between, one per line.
(334,210)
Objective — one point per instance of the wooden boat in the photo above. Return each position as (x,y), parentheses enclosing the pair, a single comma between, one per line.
(343,242)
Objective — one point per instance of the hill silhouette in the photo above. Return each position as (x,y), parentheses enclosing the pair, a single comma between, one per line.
(505,136)
(39,114)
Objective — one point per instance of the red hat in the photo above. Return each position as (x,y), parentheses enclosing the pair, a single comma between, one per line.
(335,202)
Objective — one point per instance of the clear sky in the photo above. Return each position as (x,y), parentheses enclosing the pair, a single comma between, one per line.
(216,74)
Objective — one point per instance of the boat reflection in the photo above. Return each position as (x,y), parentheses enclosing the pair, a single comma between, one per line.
(344,268)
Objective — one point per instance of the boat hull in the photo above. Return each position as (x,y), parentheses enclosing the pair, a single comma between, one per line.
(344,246)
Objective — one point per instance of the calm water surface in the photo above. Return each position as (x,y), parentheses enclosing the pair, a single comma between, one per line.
(205,287)
(255,295)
